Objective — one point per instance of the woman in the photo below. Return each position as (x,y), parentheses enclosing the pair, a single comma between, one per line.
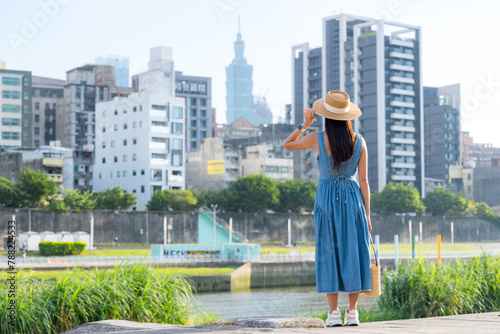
(342,205)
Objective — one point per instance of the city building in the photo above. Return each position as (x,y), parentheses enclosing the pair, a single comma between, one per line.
(104,75)
(239,85)
(482,154)
(16,116)
(442,130)
(265,160)
(477,183)
(121,68)
(197,91)
(240,128)
(378,64)
(433,184)
(47,100)
(140,145)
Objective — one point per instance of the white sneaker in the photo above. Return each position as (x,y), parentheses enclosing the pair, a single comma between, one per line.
(334,319)
(351,318)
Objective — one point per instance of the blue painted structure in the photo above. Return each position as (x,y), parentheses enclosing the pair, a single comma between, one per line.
(204,252)
(206,230)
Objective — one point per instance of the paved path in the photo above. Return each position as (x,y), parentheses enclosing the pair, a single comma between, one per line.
(483,323)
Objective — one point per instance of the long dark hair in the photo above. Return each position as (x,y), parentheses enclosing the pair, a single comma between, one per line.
(341,139)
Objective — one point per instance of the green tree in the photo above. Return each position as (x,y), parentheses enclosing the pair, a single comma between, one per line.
(295,195)
(209,197)
(35,187)
(177,200)
(114,199)
(442,202)
(252,193)
(77,200)
(9,193)
(397,198)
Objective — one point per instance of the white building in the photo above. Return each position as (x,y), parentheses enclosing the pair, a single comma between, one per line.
(261,160)
(140,139)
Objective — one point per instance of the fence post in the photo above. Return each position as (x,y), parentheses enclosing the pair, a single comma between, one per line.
(91,246)
(439,249)
(29,219)
(377,238)
(289,232)
(147,227)
(396,250)
(420,236)
(164,230)
(231,230)
(409,230)
(413,246)
(452,234)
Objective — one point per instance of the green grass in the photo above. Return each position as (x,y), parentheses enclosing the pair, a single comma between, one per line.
(180,271)
(76,296)
(365,315)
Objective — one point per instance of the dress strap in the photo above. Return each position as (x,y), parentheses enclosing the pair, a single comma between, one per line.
(357,148)
(321,144)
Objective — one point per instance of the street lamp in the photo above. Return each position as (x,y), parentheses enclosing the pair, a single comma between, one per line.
(170,227)
(214,206)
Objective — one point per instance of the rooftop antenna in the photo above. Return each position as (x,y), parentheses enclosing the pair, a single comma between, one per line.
(239,30)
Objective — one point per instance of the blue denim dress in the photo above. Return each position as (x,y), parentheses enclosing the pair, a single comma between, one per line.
(341,227)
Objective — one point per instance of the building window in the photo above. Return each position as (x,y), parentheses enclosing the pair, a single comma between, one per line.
(177,113)
(177,144)
(124,126)
(158,140)
(11,135)
(124,142)
(9,81)
(103,144)
(177,128)
(193,112)
(124,158)
(156,174)
(193,145)
(11,108)
(104,114)
(112,143)
(203,102)
(134,109)
(14,122)
(103,160)
(156,123)
(134,172)
(37,118)
(116,127)
(193,133)
(100,175)
(134,125)
(176,159)
(116,111)
(158,156)
(134,157)
(116,158)
(203,134)
(11,94)
(203,113)
(134,141)
(193,122)
(193,101)
(143,172)
(155,188)
(142,189)
(103,129)
(37,143)
(124,173)
(203,124)
(140,124)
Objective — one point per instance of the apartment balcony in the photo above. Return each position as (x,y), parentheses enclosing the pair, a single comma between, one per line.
(160,129)
(402,55)
(403,141)
(160,162)
(402,128)
(402,104)
(403,153)
(158,113)
(403,116)
(52,162)
(82,175)
(402,68)
(58,178)
(403,178)
(402,79)
(403,165)
(158,145)
(402,92)
(399,42)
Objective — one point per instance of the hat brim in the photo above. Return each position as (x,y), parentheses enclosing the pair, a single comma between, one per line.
(353,113)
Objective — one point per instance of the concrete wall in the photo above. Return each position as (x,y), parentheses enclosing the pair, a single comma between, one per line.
(127,225)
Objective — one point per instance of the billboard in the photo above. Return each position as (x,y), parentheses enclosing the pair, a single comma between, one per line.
(216,167)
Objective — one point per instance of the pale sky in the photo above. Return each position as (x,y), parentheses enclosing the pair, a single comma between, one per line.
(460,42)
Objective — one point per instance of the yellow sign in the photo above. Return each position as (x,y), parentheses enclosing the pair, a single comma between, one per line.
(216,167)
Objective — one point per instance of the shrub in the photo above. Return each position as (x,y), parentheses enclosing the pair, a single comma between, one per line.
(49,248)
(129,292)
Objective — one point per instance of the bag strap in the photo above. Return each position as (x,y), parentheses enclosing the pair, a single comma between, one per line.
(374,252)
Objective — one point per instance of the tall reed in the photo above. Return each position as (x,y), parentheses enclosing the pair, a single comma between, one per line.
(420,289)
(129,292)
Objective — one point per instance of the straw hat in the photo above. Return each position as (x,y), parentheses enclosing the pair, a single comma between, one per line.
(337,105)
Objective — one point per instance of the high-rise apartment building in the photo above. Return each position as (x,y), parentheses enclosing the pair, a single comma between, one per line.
(197,91)
(121,68)
(378,64)
(47,99)
(15,100)
(442,130)
(140,142)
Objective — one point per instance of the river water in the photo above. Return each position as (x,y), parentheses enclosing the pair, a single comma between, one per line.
(294,301)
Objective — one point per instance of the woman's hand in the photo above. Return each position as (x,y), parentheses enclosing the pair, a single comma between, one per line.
(309,117)
(369,224)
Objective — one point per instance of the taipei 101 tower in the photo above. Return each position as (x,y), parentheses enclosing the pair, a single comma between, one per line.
(239,84)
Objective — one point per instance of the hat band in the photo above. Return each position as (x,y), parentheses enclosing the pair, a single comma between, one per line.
(335,109)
